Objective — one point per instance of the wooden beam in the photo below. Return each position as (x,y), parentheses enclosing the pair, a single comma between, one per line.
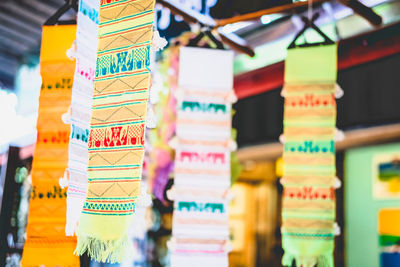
(358,7)
(364,11)
(262,152)
(354,138)
(188,15)
(191,16)
(258,14)
(236,43)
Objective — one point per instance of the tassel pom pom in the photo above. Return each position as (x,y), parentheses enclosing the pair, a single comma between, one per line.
(228,247)
(338,91)
(283,92)
(171,244)
(63,181)
(179,94)
(174,142)
(232,98)
(151,118)
(337,183)
(158,42)
(171,193)
(66,117)
(336,228)
(229,195)
(144,200)
(232,145)
(339,135)
(71,52)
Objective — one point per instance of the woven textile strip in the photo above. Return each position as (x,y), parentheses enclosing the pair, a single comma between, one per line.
(46,244)
(82,90)
(200,231)
(309,156)
(116,139)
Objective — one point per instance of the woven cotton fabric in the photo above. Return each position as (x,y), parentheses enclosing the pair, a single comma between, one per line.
(200,234)
(82,91)
(46,244)
(116,139)
(308,214)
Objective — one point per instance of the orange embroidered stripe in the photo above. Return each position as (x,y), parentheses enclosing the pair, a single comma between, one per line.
(127,31)
(123,49)
(122,74)
(120,102)
(127,19)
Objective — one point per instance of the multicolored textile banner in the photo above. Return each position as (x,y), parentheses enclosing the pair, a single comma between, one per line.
(81,108)
(308,215)
(116,139)
(200,233)
(46,244)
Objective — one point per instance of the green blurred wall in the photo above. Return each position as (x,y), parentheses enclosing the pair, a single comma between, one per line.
(361,210)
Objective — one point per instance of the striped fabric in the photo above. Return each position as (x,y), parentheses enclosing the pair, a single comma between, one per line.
(82,90)
(308,214)
(46,243)
(116,139)
(200,233)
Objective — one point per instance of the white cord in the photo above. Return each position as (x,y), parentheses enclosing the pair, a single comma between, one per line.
(309,10)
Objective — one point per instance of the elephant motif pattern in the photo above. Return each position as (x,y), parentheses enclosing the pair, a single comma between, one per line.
(311,100)
(129,135)
(309,193)
(52,137)
(56,192)
(204,107)
(79,133)
(311,147)
(61,84)
(84,71)
(125,61)
(210,157)
(201,207)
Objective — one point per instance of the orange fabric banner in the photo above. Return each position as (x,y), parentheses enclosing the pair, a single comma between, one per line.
(46,242)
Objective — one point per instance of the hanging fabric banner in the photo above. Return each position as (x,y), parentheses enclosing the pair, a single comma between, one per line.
(200,233)
(82,91)
(46,244)
(116,139)
(308,215)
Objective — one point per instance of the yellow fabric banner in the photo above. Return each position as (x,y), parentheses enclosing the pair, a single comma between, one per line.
(116,139)
(46,243)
